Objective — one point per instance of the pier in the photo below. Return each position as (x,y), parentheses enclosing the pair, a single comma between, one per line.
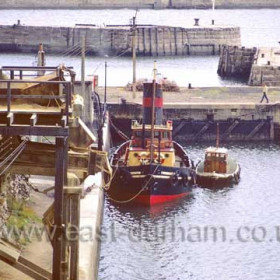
(255,65)
(199,109)
(42,102)
(117,40)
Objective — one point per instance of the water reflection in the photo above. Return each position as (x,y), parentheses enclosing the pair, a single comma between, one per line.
(138,212)
(177,240)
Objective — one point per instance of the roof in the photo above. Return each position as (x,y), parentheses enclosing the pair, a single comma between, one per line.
(216,150)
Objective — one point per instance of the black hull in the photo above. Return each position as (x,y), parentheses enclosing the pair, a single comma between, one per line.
(150,184)
(215,182)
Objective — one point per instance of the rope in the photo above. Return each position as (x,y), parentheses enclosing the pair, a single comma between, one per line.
(108,185)
(15,157)
(13,153)
(142,189)
(125,137)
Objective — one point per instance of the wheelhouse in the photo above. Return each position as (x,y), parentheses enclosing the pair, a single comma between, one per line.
(141,136)
(215,160)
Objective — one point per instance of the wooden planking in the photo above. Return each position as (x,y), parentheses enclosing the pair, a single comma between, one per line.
(8,253)
(15,130)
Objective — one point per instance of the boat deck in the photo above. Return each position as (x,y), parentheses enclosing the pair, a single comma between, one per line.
(178,161)
(231,167)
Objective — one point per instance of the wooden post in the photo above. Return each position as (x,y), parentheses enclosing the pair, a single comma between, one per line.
(9,98)
(272,136)
(58,208)
(75,220)
(83,47)
(134,57)
(153,115)
(65,217)
(41,60)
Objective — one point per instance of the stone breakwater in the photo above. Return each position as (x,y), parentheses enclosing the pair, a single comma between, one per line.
(116,40)
(156,4)
(256,65)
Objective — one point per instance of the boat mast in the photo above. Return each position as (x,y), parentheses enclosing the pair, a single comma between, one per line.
(153,115)
(218,136)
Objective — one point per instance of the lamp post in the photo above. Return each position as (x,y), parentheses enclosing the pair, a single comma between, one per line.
(105,90)
(213,9)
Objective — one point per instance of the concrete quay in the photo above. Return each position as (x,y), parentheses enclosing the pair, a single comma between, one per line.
(117,39)
(195,113)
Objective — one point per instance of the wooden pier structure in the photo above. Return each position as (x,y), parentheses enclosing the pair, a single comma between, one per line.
(44,106)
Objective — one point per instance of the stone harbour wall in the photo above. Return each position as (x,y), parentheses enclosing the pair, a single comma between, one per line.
(236,62)
(266,67)
(156,4)
(270,75)
(256,66)
(116,40)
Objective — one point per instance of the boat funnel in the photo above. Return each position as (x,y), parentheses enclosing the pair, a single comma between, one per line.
(147,104)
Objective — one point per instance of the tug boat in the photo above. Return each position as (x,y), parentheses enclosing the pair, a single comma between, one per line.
(150,168)
(218,169)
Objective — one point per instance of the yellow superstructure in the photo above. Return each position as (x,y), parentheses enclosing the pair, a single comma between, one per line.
(139,152)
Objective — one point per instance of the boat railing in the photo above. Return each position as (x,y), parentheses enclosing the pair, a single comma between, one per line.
(179,150)
(120,152)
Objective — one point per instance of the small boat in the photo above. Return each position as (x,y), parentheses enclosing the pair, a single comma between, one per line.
(217,169)
(150,168)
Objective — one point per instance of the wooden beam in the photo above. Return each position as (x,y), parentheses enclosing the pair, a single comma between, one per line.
(30,272)
(58,209)
(74,245)
(33,119)
(35,267)
(8,253)
(255,131)
(10,119)
(64,121)
(73,190)
(229,130)
(15,130)
(11,256)
(201,132)
(179,127)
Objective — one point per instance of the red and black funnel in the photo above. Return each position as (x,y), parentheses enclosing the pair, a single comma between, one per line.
(147,104)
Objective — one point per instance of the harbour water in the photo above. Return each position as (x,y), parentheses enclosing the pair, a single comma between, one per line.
(258,28)
(232,233)
(178,240)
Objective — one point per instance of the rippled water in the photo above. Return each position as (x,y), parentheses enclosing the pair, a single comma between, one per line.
(258,28)
(169,241)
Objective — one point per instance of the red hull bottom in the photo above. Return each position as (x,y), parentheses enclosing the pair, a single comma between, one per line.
(157,199)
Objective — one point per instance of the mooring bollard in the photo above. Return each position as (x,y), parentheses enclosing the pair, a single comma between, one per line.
(196,22)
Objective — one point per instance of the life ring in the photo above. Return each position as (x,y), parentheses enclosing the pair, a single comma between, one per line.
(144,158)
(161,161)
